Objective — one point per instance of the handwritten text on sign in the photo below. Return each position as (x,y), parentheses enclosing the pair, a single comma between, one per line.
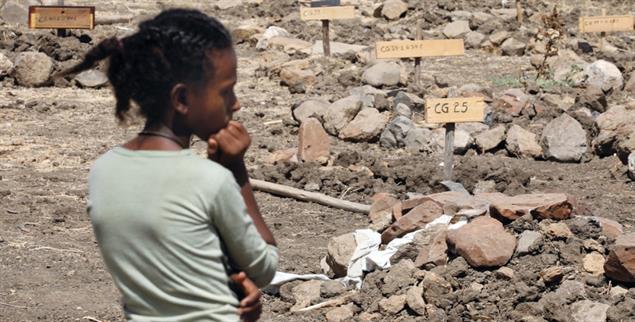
(607,23)
(44,17)
(455,110)
(420,48)
(327,13)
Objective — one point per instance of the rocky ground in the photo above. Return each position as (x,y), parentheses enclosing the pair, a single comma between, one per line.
(542,232)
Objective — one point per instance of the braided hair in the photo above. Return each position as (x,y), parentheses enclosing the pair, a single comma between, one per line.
(169,49)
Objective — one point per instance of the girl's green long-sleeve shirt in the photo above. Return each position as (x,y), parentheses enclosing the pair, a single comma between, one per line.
(171,227)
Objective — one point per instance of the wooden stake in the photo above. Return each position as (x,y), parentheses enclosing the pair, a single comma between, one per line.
(418,59)
(285,191)
(61,32)
(326,41)
(449,151)
(519,12)
(603,34)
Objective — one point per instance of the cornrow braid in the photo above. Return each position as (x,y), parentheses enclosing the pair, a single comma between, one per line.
(171,48)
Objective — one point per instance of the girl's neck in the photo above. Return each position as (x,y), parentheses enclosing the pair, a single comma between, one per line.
(158,137)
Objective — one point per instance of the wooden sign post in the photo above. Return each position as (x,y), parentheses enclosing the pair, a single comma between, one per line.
(604,24)
(519,12)
(326,10)
(448,111)
(61,18)
(451,111)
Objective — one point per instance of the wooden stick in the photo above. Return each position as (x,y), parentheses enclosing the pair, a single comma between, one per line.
(418,59)
(603,34)
(290,192)
(14,306)
(449,151)
(326,41)
(333,302)
(519,12)
(61,32)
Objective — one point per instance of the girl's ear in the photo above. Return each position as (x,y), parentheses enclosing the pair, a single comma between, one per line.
(178,98)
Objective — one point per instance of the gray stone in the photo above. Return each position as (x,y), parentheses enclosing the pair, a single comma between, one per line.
(474,39)
(528,242)
(393,9)
(6,65)
(15,12)
(415,301)
(395,133)
(589,311)
(393,304)
(399,276)
(271,32)
(522,143)
(337,48)
(630,85)
(604,75)
(288,44)
(91,78)
(32,68)
(456,29)
(631,165)
(513,47)
(340,251)
(491,138)
(567,66)
(403,110)
(436,289)
(341,314)
(410,100)
(366,126)
(564,139)
(311,108)
(332,289)
(305,294)
(498,37)
(419,139)
(571,291)
(486,186)
(383,74)
(462,141)
(340,113)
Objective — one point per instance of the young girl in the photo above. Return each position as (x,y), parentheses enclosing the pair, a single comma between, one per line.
(171,226)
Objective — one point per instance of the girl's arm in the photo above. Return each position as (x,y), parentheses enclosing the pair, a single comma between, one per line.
(228,148)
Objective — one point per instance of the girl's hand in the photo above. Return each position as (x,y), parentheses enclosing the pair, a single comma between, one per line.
(250,306)
(229,145)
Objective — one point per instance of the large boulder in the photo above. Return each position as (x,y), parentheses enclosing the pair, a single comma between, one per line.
(383,74)
(15,12)
(483,243)
(366,126)
(522,143)
(32,68)
(564,139)
(604,75)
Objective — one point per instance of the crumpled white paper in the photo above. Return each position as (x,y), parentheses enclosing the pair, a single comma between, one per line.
(367,257)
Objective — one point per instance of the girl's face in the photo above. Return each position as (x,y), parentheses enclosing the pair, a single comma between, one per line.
(212,105)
